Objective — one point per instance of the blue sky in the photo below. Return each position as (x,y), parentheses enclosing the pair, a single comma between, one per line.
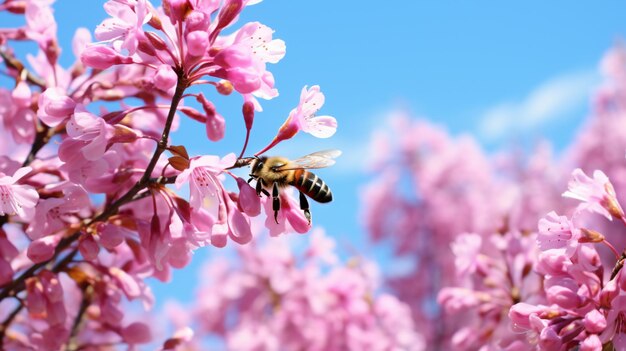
(505,72)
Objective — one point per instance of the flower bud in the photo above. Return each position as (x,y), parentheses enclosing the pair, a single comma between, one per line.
(215,123)
(177,10)
(590,236)
(102,57)
(165,78)
(156,40)
(248,200)
(42,249)
(594,322)
(136,333)
(197,42)
(22,94)
(54,106)
(248,113)
(88,247)
(224,87)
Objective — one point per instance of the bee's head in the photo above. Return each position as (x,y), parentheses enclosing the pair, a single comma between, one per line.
(257,165)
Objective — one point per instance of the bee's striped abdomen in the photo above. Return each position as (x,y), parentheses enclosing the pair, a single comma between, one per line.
(312,186)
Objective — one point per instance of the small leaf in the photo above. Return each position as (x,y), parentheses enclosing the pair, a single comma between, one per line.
(179,150)
(179,163)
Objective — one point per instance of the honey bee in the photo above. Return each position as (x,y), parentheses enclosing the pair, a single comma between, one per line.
(273,173)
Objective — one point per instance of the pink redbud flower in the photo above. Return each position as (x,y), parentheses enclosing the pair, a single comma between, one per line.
(520,314)
(202,176)
(594,322)
(591,343)
(165,78)
(215,123)
(88,247)
(54,214)
(15,198)
(303,118)
(42,249)
(45,297)
(22,95)
(177,10)
(558,232)
(136,333)
(248,201)
(597,193)
(228,13)
(55,106)
(466,248)
(102,57)
(259,37)
(290,217)
(124,25)
(92,132)
(198,42)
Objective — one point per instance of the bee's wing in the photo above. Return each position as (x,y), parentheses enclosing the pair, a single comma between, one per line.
(318,159)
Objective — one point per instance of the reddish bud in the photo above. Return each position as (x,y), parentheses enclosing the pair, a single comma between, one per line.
(197,42)
(193,113)
(177,10)
(88,247)
(102,57)
(248,113)
(156,40)
(229,11)
(590,236)
(136,333)
(224,87)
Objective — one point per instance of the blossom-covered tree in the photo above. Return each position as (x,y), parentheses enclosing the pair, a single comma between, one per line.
(500,260)
(87,208)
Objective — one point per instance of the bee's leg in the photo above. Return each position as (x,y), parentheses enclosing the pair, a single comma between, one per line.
(275,202)
(304,206)
(259,188)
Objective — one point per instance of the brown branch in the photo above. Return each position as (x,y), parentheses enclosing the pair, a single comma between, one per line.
(15,64)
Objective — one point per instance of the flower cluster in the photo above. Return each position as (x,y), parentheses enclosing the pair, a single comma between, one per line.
(86,213)
(274,299)
(501,259)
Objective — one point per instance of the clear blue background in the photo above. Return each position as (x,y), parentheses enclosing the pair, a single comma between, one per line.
(459,64)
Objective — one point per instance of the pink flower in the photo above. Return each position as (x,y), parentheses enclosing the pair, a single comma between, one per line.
(202,176)
(591,343)
(15,198)
(558,232)
(45,297)
(198,42)
(594,321)
(136,333)
(248,200)
(124,25)
(208,196)
(215,124)
(258,37)
(53,214)
(55,106)
(290,217)
(92,132)
(466,249)
(102,57)
(597,194)
(42,249)
(165,78)
(303,118)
